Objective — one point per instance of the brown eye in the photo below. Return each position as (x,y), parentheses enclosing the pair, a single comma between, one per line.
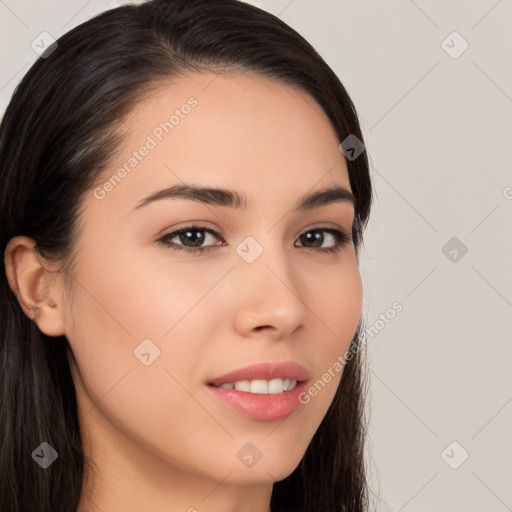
(315,238)
(189,239)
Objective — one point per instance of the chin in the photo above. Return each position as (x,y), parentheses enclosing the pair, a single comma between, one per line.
(267,471)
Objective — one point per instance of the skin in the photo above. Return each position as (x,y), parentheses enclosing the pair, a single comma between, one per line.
(158,440)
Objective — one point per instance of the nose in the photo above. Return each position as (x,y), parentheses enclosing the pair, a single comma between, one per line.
(268,297)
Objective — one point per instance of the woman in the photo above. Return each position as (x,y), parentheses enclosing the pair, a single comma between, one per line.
(184,190)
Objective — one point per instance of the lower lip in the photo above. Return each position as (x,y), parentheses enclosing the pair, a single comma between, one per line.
(262,407)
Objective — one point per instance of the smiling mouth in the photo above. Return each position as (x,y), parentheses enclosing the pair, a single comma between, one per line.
(259,399)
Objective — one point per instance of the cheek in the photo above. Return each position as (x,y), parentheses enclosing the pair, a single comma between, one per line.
(118,309)
(336,302)
(140,296)
(134,299)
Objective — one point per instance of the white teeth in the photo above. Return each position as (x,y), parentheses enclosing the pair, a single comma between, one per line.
(243,385)
(275,386)
(261,387)
(292,384)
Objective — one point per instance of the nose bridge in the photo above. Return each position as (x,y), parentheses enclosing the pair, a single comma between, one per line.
(265,257)
(269,294)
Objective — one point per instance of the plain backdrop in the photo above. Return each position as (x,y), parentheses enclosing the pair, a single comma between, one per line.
(432,85)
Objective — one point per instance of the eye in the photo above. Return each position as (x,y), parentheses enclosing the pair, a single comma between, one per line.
(317,238)
(191,239)
(193,235)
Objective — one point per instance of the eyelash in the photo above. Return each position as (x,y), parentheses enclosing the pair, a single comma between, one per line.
(342,238)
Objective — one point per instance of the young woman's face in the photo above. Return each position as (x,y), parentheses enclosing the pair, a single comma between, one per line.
(151,325)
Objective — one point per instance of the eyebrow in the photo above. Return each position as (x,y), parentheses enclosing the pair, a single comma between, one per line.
(232,199)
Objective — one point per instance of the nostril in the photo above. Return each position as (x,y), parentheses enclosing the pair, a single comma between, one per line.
(261,327)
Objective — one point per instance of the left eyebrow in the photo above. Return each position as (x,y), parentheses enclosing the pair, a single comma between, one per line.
(233,199)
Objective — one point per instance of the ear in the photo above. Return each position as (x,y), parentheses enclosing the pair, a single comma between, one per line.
(30,278)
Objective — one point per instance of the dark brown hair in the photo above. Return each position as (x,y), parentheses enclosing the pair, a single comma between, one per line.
(57,136)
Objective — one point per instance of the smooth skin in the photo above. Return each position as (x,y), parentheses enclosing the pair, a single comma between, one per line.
(158,439)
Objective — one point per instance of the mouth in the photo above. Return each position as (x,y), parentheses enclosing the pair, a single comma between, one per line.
(264,391)
(262,386)
(253,400)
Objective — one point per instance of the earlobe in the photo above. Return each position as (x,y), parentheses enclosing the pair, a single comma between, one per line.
(30,279)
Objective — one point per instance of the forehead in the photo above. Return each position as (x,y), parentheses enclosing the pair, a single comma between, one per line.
(238,131)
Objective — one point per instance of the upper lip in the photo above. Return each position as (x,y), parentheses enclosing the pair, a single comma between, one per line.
(264,371)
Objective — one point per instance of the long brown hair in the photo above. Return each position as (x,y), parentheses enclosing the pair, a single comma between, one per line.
(56,137)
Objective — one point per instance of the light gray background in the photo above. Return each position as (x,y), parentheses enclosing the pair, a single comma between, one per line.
(438,131)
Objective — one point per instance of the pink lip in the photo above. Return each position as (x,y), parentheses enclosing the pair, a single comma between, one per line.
(264,371)
(262,407)
(259,406)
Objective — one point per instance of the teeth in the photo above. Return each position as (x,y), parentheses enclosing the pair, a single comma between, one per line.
(228,385)
(261,387)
